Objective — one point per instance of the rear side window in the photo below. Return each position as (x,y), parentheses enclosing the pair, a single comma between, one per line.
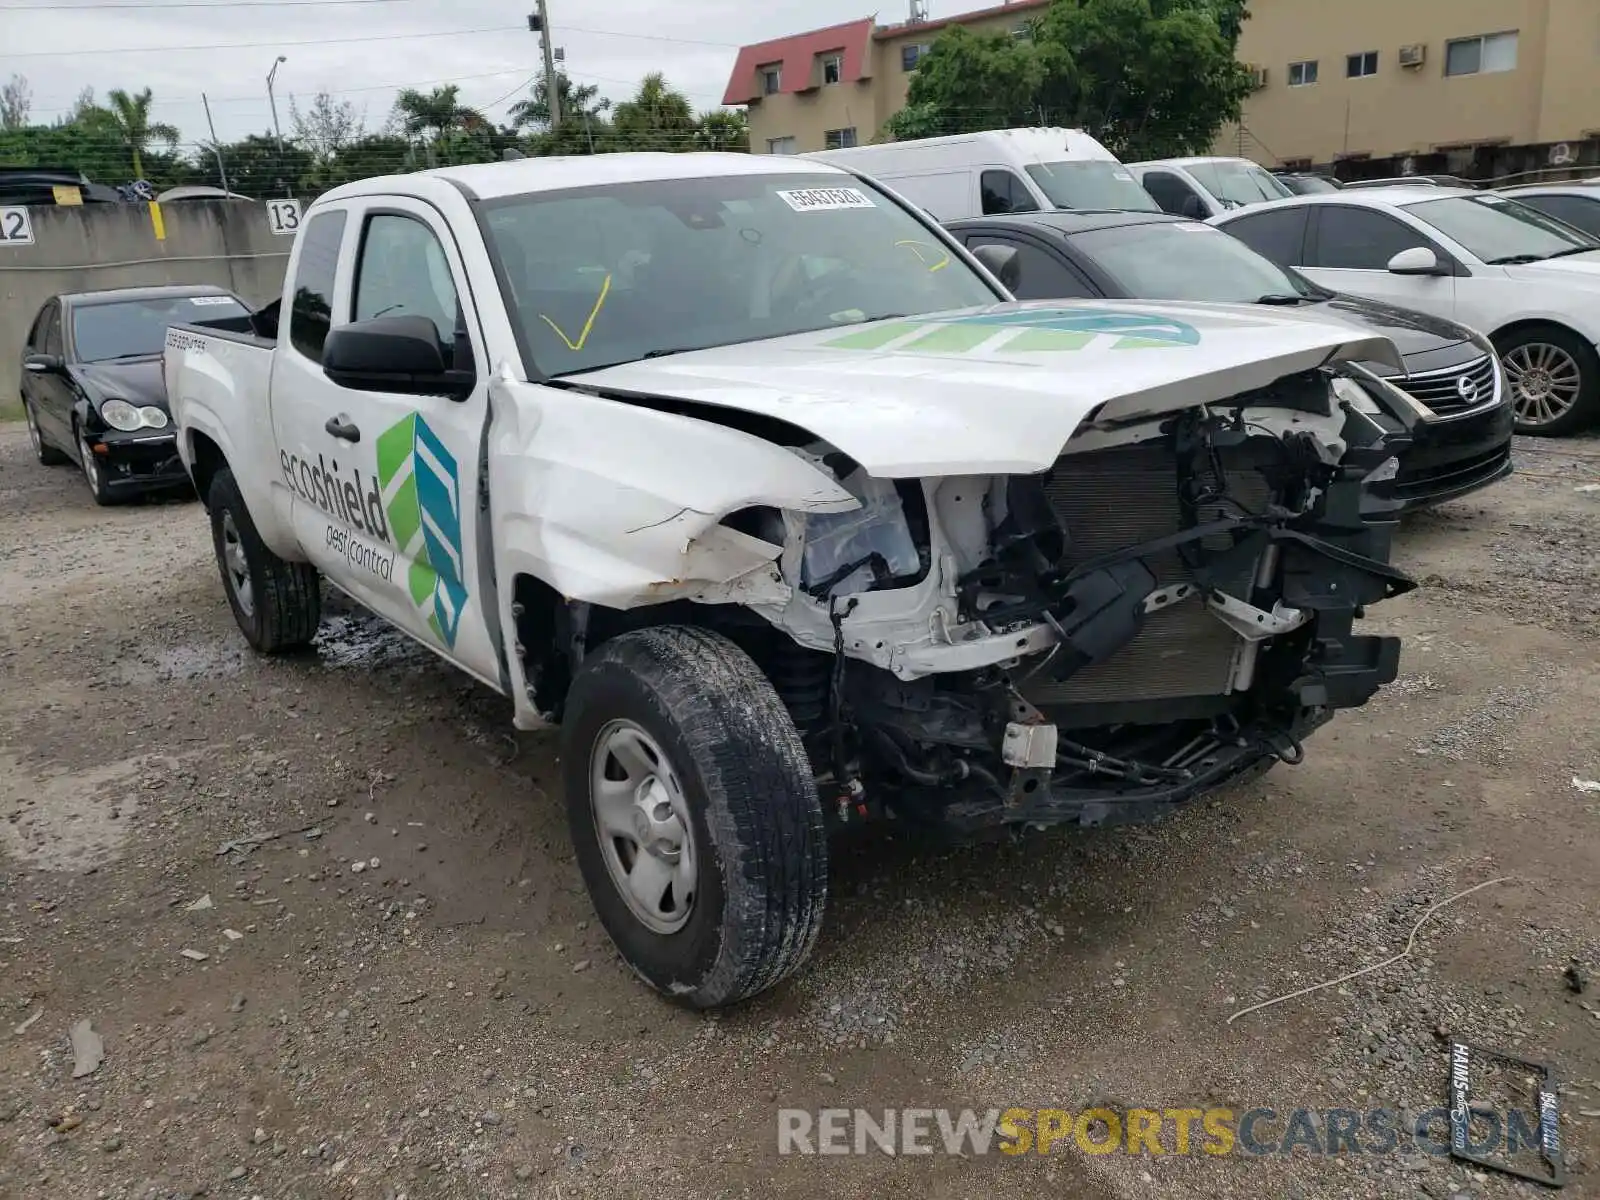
(312,310)
(1173,194)
(1003,192)
(1276,234)
(1579,211)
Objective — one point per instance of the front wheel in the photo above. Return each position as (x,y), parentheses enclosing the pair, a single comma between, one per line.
(1554,378)
(694,815)
(93,474)
(277,604)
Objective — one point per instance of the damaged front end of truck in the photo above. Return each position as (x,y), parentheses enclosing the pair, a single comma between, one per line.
(1036,610)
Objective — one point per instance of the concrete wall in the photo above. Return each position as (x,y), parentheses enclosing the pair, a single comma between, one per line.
(99,246)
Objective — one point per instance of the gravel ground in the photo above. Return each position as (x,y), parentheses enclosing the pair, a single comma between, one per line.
(322,916)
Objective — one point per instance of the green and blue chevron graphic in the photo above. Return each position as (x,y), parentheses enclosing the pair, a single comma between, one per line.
(422,499)
(1037,330)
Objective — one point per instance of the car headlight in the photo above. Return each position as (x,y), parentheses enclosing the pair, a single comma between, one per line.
(119,414)
(153,417)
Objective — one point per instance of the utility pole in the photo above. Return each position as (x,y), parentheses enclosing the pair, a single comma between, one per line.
(539,22)
(216,147)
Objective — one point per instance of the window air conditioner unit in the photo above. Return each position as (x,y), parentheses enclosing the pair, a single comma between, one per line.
(1258,77)
(1413,55)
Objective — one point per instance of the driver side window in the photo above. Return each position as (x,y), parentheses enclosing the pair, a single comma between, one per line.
(1003,192)
(1360,239)
(403,271)
(50,341)
(1171,192)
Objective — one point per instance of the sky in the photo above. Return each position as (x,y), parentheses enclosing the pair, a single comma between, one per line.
(366,50)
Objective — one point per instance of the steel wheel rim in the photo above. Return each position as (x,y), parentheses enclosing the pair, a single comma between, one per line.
(33,430)
(1545,382)
(642,823)
(90,471)
(236,567)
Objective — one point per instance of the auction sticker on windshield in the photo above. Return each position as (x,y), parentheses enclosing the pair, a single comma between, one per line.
(823,199)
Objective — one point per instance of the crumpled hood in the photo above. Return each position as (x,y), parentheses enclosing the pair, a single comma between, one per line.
(1000,389)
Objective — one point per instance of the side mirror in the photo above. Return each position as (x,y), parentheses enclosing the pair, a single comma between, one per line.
(392,354)
(43,364)
(1417,260)
(1002,262)
(1193,207)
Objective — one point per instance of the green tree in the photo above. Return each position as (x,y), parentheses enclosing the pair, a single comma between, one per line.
(581,103)
(1149,78)
(326,127)
(656,117)
(16,102)
(723,129)
(256,165)
(436,113)
(128,119)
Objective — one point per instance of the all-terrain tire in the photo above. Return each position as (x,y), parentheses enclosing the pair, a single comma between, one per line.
(742,774)
(277,604)
(48,455)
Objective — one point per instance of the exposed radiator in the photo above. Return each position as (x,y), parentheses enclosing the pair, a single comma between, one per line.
(1109,500)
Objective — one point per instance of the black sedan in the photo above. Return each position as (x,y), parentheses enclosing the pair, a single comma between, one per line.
(1463,446)
(92,386)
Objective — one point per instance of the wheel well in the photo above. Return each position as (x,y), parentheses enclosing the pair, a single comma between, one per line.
(1529,326)
(207,459)
(553,634)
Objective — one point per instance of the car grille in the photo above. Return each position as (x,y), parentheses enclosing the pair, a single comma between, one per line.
(1441,390)
(1109,500)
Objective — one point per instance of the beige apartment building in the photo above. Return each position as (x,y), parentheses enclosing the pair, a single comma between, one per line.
(1353,79)
(836,87)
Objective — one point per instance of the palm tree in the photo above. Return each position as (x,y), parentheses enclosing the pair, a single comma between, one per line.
(658,117)
(439,111)
(579,101)
(129,117)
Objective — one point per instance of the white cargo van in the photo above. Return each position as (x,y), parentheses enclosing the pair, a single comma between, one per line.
(999,171)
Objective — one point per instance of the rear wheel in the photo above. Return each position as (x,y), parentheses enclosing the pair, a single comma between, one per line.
(277,604)
(1554,377)
(47,454)
(694,815)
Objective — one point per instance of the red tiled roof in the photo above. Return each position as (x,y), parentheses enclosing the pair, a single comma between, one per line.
(894,31)
(797,56)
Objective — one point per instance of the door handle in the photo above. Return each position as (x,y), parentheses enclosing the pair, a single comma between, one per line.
(342,430)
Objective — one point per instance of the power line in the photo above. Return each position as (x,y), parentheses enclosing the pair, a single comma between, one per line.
(193,4)
(375,37)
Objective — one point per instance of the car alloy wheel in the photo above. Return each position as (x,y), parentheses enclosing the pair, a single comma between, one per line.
(91,469)
(33,431)
(1545,382)
(238,567)
(643,826)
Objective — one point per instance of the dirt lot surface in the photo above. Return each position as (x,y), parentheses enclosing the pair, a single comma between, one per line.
(323,915)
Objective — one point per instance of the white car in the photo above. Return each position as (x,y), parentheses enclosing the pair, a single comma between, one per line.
(1207,187)
(1530,283)
(1577,203)
(649,444)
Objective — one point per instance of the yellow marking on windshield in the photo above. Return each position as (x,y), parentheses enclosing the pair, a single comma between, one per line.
(915,247)
(605,290)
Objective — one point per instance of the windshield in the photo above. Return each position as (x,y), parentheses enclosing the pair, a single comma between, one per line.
(1498,230)
(1095,183)
(1236,183)
(603,275)
(137,328)
(1184,260)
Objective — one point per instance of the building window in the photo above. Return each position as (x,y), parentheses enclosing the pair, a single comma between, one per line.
(1023,32)
(781,145)
(771,80)
(1302,73)
(913,54)
(832,68)
(839,139)
(1359,66)
(1481,55)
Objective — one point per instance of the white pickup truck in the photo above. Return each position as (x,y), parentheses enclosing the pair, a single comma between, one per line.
(758,484)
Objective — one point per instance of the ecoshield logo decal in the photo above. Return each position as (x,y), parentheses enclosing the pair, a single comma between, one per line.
(1037,330)
(422,497)
(413,505)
